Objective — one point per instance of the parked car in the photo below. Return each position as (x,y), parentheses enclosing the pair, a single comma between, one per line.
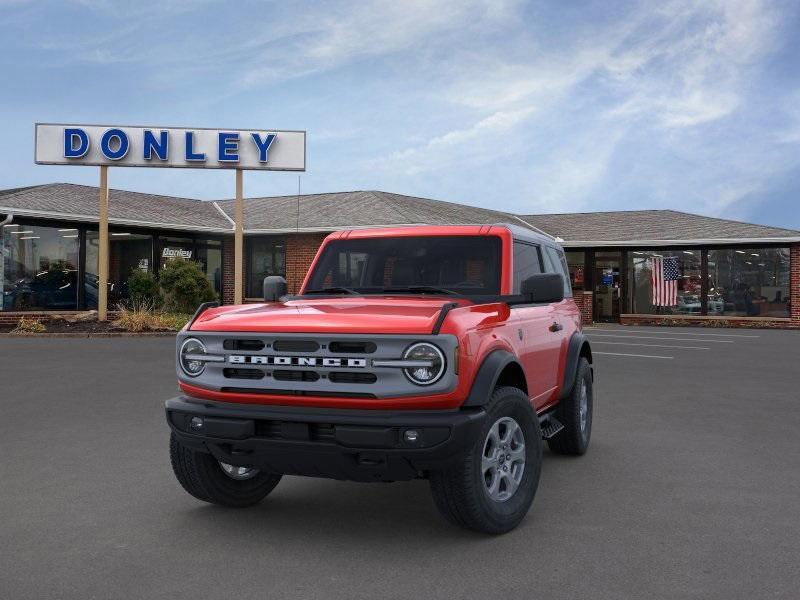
(441,353)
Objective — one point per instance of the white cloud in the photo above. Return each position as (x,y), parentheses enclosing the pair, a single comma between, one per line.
(477,143)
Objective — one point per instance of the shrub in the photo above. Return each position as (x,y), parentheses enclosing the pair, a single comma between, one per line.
(143,289)
(29,325)
(140,317)
(184,286)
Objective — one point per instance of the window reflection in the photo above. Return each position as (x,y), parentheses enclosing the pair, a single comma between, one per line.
(128,252)
(747,282)
(39,268)
(576,261)
(648,295)
(265,256)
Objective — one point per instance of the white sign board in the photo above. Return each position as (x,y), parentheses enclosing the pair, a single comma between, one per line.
(189,148)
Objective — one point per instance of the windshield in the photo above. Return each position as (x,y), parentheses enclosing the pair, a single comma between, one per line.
(468,265)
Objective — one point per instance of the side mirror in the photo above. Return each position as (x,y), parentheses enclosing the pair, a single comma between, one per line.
(274,288)
(544,287)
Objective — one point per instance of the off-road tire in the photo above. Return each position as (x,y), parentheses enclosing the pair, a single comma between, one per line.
(460,492)
(574,438)
(201,475)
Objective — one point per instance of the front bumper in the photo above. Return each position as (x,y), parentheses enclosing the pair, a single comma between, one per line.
(358,445)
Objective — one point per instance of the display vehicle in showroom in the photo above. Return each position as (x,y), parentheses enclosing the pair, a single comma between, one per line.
(447,353)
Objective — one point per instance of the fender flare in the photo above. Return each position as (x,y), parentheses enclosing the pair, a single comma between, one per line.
(487,376)
(577,343)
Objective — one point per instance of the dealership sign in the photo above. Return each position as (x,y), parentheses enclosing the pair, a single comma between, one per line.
(193,148)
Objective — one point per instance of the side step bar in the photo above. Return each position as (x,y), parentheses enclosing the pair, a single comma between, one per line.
(550,426)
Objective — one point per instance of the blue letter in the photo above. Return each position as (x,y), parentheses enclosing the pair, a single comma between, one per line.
(228,141)
(70,136)
(159,146)
(105,144)
(263,145)
(190,153)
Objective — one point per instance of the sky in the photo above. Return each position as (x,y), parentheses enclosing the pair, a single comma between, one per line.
(528,107)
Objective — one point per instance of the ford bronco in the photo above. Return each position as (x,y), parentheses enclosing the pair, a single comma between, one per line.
(445,353)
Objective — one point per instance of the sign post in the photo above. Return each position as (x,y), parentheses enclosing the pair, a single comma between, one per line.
(102,255)
(175,147)
(238,241)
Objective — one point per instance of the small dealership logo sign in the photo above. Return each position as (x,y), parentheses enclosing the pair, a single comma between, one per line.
(270,150)
(176,253)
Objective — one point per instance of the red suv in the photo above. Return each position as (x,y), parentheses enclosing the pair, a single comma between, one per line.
(442,353)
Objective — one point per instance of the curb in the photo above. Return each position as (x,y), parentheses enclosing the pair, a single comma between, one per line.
(121,334)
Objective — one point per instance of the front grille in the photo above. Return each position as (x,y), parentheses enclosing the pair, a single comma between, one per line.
(246,345)
(243,373)
(282,375)
(352,377)
(353,347)
(295,346)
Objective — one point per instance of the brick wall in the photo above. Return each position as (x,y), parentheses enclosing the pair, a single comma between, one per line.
(300,251)
(584,302)
(228,267)
(709,321)
(794,283)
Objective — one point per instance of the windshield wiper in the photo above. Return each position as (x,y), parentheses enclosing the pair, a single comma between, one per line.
(422,289)
(333,290)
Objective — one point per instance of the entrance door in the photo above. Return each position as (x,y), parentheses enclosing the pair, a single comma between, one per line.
(607,285)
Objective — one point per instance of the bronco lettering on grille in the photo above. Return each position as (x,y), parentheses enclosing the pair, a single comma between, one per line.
(297,361)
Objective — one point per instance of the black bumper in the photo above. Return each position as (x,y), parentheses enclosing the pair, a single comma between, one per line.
(356,445)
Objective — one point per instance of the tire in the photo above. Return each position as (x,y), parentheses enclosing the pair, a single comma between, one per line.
(202,476)
(574,438)
(461,492)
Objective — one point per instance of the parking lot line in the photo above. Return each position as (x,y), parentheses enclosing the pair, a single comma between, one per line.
(635,355)
(633,331)
(652,345)
(650,337)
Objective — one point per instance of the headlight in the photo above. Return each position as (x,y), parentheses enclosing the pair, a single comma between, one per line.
(432,363)
(191,351)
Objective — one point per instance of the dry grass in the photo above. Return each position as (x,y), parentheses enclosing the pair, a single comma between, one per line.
(26,325)
(142,317)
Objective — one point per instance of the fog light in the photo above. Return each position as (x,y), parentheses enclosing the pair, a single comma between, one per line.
(196,424)
(411,436)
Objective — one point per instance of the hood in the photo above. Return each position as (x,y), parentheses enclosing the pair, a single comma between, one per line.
(384,314)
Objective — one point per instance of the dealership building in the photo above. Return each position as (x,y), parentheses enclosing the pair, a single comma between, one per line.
(728,272)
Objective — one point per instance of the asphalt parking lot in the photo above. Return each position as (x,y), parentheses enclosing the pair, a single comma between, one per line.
(691,489)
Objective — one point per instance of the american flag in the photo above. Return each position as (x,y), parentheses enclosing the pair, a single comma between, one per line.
(664,277)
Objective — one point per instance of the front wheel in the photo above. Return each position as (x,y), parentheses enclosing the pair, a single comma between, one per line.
(210,480)
(492,487)
(575,413)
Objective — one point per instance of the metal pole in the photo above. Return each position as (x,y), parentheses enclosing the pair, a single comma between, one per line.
(102,256)
(238,255)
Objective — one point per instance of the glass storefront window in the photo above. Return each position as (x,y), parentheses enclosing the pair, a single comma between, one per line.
(209,255)
(576,261)
(39,268)
(652,295)
(747,282)
(265,256)
(128,252)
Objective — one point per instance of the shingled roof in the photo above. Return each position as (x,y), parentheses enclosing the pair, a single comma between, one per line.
(342,210)
(635,227)
(72,202)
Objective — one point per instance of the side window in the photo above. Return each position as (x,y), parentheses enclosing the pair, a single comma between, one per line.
(526,263)
(557,263)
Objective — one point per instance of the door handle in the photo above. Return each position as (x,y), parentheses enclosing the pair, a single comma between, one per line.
(556,327)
